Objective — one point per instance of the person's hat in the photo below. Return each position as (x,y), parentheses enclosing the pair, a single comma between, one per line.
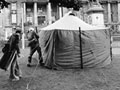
(18,28)
(14,27)
(19,31)
(31,29)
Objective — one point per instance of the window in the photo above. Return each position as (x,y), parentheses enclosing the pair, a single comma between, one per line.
(14,18)
(114,12)
(105,7)
(42,12)
(13,6)
(13,13)
(30,15)
(41,20)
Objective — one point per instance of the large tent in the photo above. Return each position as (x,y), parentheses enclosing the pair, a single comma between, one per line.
(61,44)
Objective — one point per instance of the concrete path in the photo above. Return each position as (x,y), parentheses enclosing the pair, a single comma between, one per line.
(116,48)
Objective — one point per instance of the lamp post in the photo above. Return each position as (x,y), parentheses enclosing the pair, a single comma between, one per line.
(23,35)
(0,6)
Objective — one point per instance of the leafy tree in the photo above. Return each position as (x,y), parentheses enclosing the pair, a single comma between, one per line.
(92,0)
(3,4)
(75,4)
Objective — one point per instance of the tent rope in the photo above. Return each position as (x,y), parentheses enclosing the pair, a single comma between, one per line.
(27,87)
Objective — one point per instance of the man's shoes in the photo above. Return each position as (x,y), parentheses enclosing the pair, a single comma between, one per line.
(29,65)
(41,64)
(15,78)
(20,76)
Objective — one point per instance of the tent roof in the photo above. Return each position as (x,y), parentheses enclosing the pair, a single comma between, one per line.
(71,22)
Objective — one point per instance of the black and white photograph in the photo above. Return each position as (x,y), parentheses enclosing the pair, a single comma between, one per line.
(59,44)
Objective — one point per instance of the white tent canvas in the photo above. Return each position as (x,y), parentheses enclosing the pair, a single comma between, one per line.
(60,44)
(70,22)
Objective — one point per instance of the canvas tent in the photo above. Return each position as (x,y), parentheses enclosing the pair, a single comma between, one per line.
(60,44)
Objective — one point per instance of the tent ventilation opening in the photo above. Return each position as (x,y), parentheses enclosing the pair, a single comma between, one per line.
(72,14)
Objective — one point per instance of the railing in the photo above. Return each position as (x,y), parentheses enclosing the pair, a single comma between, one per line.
(114,29)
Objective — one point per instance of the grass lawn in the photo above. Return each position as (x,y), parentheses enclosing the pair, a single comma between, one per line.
(107,78)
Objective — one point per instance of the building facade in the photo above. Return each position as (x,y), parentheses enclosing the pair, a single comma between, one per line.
(36,13)
(33,12)
(111,14)
(40,13)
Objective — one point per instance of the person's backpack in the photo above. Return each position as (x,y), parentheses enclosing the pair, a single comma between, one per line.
(6,48)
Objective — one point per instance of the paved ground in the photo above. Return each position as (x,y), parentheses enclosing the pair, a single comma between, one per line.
(116,48)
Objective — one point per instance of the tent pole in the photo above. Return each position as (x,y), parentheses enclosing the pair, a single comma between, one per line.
(80,48)
(110,44)
(54,37)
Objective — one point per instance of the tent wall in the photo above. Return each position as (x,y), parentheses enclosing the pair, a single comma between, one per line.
(66,53)
(46,43)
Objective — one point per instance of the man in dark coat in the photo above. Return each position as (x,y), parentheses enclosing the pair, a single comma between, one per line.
(33,43)
(9,59)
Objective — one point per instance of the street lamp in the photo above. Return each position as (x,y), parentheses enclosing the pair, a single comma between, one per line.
(0,6)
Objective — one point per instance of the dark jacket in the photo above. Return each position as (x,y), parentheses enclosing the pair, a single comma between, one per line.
(11,51)
(14,43)
(33,38)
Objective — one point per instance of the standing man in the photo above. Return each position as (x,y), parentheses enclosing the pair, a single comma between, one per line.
(15,72)
(9,58)
(33,43)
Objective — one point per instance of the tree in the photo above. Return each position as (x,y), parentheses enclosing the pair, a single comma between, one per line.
(92,0)
(75,4)
(3,4)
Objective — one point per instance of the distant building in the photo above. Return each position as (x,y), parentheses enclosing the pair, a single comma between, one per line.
(111,13)
(35,12)
(40,13)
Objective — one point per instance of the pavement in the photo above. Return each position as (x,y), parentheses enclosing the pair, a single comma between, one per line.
(115,48)
(115,51)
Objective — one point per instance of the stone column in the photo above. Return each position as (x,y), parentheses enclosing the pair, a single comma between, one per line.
(60,12)
(1,20)
(24,11)
(49,13)
(35,14)
(109,12)
(119,11)
(119,15)
(19,13)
